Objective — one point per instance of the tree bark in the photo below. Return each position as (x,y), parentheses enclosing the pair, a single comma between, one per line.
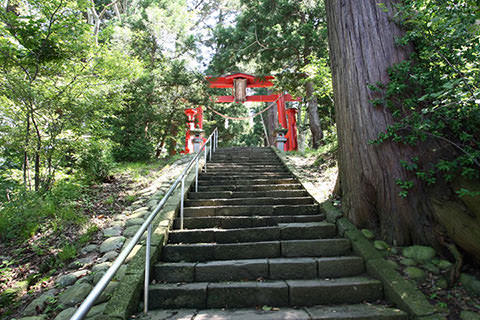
(271,122)
(362,47)
(25,153)
(312,106)
(38,149)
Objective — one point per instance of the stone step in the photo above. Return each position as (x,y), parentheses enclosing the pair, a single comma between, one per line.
(212,168)
(259,187)
(253,269)
(243,166)
(200,252)
(233,222)
(244,176)
(343,312)
(246,194)
(260,293)
(245,182)
(249,201)
(240,156)
(251,210)
(216,159)
(245,171)
(283,231)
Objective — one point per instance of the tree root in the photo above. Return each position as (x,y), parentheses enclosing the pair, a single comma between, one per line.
(455,271)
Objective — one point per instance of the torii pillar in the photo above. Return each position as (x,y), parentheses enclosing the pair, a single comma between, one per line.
(190,112)
(199,117)
(194,121)
(292,129)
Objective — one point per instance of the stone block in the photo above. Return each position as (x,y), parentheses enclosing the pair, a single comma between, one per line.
(231,270)
(189,252)
(361,246)
(356,311)
(270,249)
(315,248)
(232,295)
(247,294)
(125,298)
(295,209)
(336,267)
(300,268)
(344,225)
(174,272)
(287,314)
(191,236)
(75,294)
(307,230)
(342,290)
(247,235)
(189,295)
(401,292)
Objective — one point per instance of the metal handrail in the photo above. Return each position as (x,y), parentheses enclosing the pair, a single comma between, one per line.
(107,277)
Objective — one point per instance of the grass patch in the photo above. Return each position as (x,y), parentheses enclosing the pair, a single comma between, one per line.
(67,253)
(27,212)
(139,169)
(88,235)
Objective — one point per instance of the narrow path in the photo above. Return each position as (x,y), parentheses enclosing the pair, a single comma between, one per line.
(256,246)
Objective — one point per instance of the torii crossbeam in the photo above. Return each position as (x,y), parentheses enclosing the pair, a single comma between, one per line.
(239,82)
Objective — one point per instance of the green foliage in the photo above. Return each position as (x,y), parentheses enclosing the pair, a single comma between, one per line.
(287,39)
(434,96)
(87,236)
(96,161)
(68,252)
(28,211)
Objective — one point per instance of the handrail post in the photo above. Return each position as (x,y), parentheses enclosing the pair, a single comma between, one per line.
(214,140)
(205,156)
(210,149)
(147,270)
(196,175)
(181,202)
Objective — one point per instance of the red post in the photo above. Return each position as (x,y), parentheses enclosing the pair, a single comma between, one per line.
(199,117)
(292,129)
(190,126)
(281,111)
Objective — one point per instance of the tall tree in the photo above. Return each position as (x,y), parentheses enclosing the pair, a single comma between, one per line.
(362,47)
(375,177)
(280,37)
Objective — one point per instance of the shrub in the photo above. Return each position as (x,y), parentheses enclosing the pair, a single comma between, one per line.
(68,252)
(95,161)
(28,211)
(137,149)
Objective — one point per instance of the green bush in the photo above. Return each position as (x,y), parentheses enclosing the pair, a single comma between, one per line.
(95,161)
(28,211)
(434,96)
(136,148)
(68,252)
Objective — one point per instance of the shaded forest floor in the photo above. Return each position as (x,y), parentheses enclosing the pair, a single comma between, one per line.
(34,266)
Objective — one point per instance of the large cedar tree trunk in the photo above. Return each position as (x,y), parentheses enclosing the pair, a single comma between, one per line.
(362,47)
(362,38)
(271,122)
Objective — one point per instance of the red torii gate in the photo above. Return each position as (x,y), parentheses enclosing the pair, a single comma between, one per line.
(239,82)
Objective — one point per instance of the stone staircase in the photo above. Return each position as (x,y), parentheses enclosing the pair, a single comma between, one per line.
(253,238)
